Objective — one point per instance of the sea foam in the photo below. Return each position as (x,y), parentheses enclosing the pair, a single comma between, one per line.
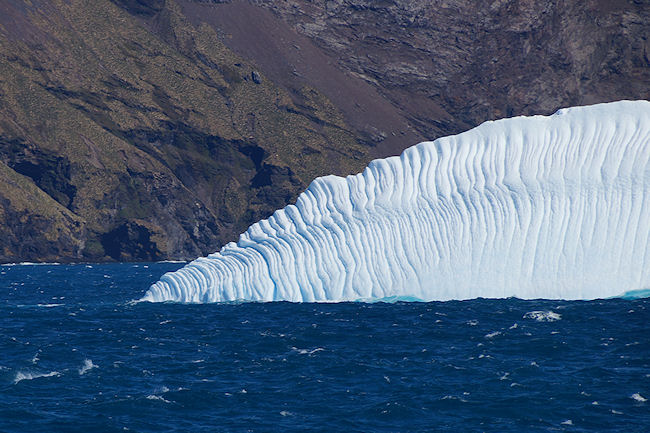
(25,375)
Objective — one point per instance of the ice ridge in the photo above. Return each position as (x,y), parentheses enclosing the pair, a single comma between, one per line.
(553,207)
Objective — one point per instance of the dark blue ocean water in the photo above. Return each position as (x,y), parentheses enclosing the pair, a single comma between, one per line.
(77,356)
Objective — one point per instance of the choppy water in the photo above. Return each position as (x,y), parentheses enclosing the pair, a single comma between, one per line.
(76,356)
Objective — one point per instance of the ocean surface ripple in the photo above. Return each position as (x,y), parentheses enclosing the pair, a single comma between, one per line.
(78,356)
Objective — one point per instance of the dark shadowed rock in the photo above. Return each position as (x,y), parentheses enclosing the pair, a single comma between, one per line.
(141,7)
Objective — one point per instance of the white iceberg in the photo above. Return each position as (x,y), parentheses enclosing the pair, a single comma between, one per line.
(553,207)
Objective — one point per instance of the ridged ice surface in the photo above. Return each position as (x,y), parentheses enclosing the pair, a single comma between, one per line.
(532,207)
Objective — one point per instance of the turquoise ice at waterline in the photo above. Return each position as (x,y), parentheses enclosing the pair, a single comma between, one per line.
(550,207)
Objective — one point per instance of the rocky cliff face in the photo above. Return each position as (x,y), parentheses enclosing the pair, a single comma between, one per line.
(127,133)
(450,65)
(158,129)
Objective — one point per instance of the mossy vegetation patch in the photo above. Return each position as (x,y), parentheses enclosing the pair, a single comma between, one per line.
(142,137)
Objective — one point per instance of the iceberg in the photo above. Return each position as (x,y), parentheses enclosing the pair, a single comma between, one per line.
(554,207)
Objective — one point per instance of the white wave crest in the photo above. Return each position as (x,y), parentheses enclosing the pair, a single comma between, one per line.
(157,397)
(638,397)
(543,316)
(87,366)
(532,207)
(22,375)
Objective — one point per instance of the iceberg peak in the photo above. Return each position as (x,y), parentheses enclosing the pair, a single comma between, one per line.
(554,207)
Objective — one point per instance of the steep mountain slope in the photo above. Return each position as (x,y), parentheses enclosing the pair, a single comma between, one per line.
(450,65)
(154,129)
(151,138)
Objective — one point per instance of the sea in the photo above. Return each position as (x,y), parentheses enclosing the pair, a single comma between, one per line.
(78,355)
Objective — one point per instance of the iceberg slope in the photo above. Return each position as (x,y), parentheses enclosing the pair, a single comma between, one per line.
(551,207)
